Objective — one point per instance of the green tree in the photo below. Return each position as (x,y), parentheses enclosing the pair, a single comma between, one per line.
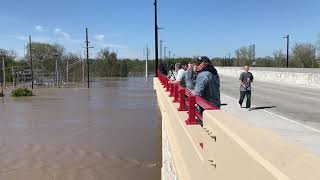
(44,55)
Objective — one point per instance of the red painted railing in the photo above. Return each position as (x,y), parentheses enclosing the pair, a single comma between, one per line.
(187,102)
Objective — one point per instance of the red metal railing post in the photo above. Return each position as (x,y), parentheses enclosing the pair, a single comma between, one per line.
(167,85)
(171,90)
(176,93)
(182,100)
(192,111)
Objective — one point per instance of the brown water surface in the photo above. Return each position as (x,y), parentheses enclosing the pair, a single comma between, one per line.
(112,131)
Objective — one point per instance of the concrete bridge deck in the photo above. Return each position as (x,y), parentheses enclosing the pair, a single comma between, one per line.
(261,146)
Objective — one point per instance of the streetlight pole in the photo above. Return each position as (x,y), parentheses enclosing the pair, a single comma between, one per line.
(57,70)
(156,35)
(161,41)
(1,94)
(287,37)
(165,53)
(30,53)
(3,73)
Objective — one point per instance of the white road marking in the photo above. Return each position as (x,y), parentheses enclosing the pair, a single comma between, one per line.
(293,121)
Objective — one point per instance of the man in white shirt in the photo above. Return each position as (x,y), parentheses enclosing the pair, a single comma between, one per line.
(180,71)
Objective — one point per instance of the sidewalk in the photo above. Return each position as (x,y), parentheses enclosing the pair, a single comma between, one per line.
(293,131)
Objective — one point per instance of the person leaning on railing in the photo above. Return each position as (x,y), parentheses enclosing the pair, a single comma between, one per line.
(187,77)
(207,83)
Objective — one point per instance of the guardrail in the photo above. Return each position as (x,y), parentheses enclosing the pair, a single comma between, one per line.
(187,101)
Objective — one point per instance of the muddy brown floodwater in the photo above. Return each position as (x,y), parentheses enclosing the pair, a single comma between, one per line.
(112,131)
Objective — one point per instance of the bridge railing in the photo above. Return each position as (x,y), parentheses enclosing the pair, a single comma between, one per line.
(187,101)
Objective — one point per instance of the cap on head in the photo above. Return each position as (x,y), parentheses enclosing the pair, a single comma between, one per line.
(205,59)
(201,59)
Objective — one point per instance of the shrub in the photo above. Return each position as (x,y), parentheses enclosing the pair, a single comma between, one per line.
(21,92)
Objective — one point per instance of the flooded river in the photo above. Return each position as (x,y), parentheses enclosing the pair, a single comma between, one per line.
(112,131)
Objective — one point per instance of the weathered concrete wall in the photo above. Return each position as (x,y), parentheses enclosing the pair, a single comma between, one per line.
(231,149)
(168,170)
(301,76)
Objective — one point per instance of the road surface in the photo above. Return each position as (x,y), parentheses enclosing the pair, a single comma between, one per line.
(297,103)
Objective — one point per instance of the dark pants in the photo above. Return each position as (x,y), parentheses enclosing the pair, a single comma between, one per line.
(242,95)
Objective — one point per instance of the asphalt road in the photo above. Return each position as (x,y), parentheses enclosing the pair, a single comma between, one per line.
(294,102)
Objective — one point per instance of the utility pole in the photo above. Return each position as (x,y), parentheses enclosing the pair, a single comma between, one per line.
(82,61)
(1,93)
(67,72)
(161,41)
(148,51)
(314,58)
(57,71)
(87,54)
(169,55)
(156,36)
(165,53)
(30,54)
(3,73)
(13,77)
(287,37)
(254,55)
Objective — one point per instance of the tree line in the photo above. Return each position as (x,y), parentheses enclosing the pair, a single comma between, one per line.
(107,63)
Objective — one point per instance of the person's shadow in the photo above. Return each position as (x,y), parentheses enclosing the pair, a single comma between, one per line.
(262,107)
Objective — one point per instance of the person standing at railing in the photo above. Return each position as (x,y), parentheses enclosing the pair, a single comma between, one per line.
(187,77)
(246,78)
(207,83)
(179,70)
(172,73)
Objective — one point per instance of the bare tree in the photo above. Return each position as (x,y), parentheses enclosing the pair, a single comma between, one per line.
(242,56)
(280,58)
(304,55)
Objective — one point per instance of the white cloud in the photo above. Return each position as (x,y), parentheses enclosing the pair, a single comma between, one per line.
(114,46)
(58,31)
(99,37)
(23,38)
(39,28)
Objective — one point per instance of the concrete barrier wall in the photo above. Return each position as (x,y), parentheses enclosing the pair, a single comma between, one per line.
(301,76)
(231,149)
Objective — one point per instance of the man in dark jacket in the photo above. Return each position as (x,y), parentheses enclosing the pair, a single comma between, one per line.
(207,84)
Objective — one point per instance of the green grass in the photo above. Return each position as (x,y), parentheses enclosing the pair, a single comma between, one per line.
(21,92)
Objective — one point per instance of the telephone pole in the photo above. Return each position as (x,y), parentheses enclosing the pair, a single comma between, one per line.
(3,73)
(161,41)
(156,35)
(83,77)
(67,72)
(288,38)
(30,54)
(87,54)
(1,93)
(165,53)
(148,51)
